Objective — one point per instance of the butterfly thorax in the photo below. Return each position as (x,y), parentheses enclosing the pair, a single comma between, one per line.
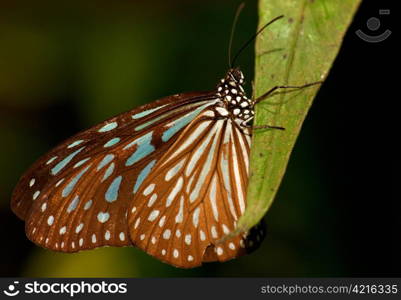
(232,93)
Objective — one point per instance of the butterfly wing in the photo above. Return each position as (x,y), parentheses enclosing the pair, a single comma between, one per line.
(76,196)
(195,195)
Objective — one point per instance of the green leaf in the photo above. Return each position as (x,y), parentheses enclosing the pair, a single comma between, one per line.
(295,50)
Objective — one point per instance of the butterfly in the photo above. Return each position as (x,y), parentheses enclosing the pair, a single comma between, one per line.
(169,177)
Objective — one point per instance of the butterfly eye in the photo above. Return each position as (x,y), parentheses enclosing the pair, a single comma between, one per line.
(235,77)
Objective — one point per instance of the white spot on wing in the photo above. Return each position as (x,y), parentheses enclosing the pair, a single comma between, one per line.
(188,239)
(153,215)
(193,137)
(245,154)
(180,216)
(227,184)
(240,192)
(35,195)
(63,230)
(225,229)
(59,182)
(212,197)
(161,221)
(214,232)
(137,223)
(88,204)
(222,111)
(195,217)
(207,165)
(199,152)
(103,217)
(174,170)
(174,191)
(152,200)
(149,189)
(32,182)
(208,113)
(202,235)
(79,228)
(167,234)
(50,220)
(51,160)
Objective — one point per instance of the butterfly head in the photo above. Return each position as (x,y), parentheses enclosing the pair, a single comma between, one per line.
(230,90)
(236,75)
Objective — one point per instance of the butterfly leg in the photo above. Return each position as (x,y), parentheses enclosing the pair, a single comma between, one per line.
(266,95)
(247,125)
(269,92)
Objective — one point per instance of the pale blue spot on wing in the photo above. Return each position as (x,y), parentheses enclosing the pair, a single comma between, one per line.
(73,205)
(146,124)
(65,161)
(112,142)
(75,143)
(103,217)
(146,138)
(108,127)
(35,195)
(88,204)
(51,160)
(67,190)
(180,123)
(108,158)
(144,149)
(141,152)
(108,172)
(147,112)
(169,113)
(143,174)
(81,162)
(112,192)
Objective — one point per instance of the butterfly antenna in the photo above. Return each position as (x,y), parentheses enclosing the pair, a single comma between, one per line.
(253,38)
(237,13)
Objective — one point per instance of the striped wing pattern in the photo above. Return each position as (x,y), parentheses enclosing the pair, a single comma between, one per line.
(169,177)
(195,196)
(76,196)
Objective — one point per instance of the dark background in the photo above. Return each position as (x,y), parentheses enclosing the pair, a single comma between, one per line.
(67,66)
